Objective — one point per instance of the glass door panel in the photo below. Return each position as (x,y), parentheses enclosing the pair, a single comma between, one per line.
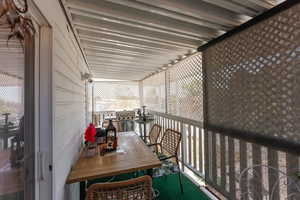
(13,120)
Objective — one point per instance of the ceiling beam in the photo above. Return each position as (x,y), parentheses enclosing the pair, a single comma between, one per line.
(120,56)
(124,74)
(130,25)
(98,48)
(102,69)
(198,9)
(135,17)
(117,60)
(134,31)
(126,36)
(129,41)
(121,63)
(99,69)
(97,52)
(127,44)
(135,51)
(124,65)
(139,69)
(112,51)
(134,38)
(137,72)
(263,3)
(233,6)
(118,77)
(252,5)
(171,14)
(131,50)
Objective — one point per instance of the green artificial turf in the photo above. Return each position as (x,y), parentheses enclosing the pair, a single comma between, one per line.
(168,187)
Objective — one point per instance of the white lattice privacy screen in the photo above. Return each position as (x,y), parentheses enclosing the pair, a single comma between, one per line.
(185,88)
(116,95)
(253,79)
(183,85)
(154,92)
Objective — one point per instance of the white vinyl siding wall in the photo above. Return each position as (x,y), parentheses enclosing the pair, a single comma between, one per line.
(69,115)
(69,109)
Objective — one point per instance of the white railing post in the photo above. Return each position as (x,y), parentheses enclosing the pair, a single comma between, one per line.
(166,92)
(183,145)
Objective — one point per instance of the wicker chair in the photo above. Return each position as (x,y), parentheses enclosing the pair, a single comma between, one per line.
(154,134)
(133,189)
(168,148)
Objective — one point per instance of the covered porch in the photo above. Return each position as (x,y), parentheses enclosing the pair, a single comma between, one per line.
(214,82)
(230,100)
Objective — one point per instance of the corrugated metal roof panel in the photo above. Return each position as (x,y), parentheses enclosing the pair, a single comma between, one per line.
(128,39)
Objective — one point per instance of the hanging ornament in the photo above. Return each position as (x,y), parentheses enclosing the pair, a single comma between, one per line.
(12,13)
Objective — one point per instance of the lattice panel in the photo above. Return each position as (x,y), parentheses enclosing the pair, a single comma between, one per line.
(185,96)
(154,92)
(118,95)
(253,78)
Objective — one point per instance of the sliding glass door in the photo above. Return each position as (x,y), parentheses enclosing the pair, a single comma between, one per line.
(16,118)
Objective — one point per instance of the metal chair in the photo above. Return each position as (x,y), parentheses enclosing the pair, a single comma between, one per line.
(133,189)
(168,148)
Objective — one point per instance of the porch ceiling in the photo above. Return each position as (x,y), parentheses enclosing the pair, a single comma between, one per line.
(129,39)
(12,60)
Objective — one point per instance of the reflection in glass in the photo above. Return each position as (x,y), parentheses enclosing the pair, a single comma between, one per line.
(11,119)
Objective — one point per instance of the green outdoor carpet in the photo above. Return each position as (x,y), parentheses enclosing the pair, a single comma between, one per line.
(170,190)
(168,187)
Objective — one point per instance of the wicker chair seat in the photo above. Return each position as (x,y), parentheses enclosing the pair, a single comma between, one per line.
(133,189)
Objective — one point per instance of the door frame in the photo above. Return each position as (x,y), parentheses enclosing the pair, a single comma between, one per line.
(43,105)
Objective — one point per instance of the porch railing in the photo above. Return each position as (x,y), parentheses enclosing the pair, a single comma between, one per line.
(221,160)
(238,169)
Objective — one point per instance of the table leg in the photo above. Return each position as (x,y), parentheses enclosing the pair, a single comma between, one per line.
(150,172)
(140,131)
(145,138)
(5,140)
(82,190)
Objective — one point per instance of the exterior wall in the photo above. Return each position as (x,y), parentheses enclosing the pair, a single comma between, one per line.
(68,99)
(69,110)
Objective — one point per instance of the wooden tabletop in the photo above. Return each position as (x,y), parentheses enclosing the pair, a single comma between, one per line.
(132,155)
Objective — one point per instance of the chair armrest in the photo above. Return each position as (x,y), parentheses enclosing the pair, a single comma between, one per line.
(166,158)
(154,144)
